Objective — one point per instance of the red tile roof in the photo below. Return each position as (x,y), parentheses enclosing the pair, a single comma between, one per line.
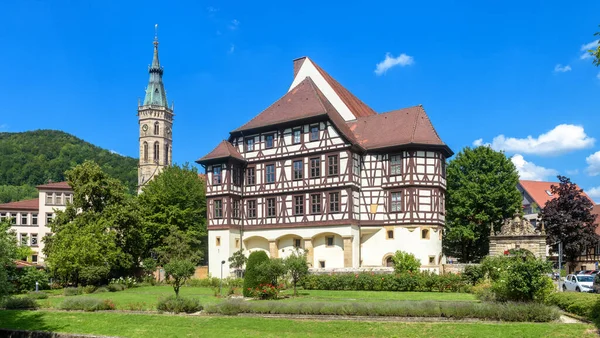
(399,127)
(202,177)
(55,185)
(223,150)
(537,191)
(32,204)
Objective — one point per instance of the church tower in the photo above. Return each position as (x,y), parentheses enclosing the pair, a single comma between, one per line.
(155,125)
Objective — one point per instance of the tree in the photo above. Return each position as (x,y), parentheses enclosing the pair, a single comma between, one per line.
(252,277)
(405,262)
(174,199)
(297,266)
(179,270)
(481,193)
(596,52)
(178,258)
(8,255)
(567,219)
(237,261)
(270,271)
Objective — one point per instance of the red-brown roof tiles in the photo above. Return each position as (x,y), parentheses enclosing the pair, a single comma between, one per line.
(538,191)
(400,127)
(32,204)
(55,185)
(223,150)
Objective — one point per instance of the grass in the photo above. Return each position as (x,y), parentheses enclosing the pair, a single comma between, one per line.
(146,298)
(142,325)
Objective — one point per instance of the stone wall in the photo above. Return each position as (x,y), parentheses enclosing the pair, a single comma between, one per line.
(534,243)
(454,268)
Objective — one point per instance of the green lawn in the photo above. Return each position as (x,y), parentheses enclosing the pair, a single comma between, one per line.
(141,325)
(145,298)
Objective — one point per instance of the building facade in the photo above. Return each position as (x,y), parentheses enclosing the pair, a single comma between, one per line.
(155,119)
(321,171)
(31,218)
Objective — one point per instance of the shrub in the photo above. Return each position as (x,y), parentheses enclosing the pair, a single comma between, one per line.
(513,312)
(94,275)
(252,277)
(595,313)
(101,289)
(179,304)
(87,304)
(19,303)
(127,283)
(135,306)
(115,287)
(29,275)
(37,295)
(483,291)
(72,291)
(89,289)
(179,270)
(266,291)
(578,303)
(473,274)
(405,262)
(270,271)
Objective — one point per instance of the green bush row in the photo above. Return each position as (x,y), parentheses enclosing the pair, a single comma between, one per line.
(179,304)
(18,303)
(214,282)
(577,303)
(407,281)
(511,312)
(87,304)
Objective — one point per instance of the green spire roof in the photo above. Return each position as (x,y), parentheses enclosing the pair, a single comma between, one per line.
(155,92)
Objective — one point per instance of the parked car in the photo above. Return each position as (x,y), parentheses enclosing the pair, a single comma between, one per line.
(593,272)
(596,284)
(579,283)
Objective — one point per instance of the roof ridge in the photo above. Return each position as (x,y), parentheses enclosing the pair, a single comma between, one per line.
(429,120)
(317,90)
(412,137)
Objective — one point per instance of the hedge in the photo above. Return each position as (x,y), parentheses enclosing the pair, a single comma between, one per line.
(418,281)
(577,303)
(510,312)
(251,279)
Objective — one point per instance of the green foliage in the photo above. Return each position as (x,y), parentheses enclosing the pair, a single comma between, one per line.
(101,289)
(270,271)
(519,277)
(407,281)
(405,262)
(10,193)
(34,157)
(72,291)
(37,295)
(175,199)
(595,313)
(8,254)
(510,312)
(115,287)
(89,289)
(27,277)
(214,282)
(266,291)
(149,266)
(297,266)
(179,304)
(237,261)
(252,276)
(179,270)
(482,192)
(577,303)
(94,275)
(87,304)
(568,219)
(473,274)
(596,55)
(483,291)
(19,303)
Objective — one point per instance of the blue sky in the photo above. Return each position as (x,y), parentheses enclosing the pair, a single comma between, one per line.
(481,69)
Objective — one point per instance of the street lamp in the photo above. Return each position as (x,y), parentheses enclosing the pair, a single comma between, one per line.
(221,282)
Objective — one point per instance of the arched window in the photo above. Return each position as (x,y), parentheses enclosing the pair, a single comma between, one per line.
(389,262)
(156,151)
(156,128)
(166,154)
(145,151)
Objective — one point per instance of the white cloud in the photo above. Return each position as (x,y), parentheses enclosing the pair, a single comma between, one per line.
(212,9)
(593,162)
(594,193)
(586,47)
(391,61)
(598,76)
(530,171)
(478,142)
(231,48)
(234,24)
(562,69)
(562,139)
(115,152)
(572,172)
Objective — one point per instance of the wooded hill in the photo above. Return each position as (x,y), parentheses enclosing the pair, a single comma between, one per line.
(31,158)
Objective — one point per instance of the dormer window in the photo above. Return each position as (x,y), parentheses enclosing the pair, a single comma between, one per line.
(250,144)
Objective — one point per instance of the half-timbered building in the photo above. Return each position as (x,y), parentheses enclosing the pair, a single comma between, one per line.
(321,171)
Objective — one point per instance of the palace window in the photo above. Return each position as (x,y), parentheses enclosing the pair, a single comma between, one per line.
(390,234)
(156,128)
(250,144)
(322,264)
(49,217)
(424,233)
(34,258)
(49,198)
(250,176)
(270,173)
(315,203)
(218,241)
(314,133)
(395,165)
(333,166)
(298,169)
(296,136)
(315,167)
(271,207)
(251,205)
(396,202)
(156,151)
(299,205)
(431,260)
(58,199)
(34,239)
(34,219)
(217,175)
(24,239)
(145,151)
(269,140)
(334,202)
(236,208)
(237,176)
(166,154)
(297,243)
(443,167)
(2,216)
(13,219)
(24,219)
(356,164)
(329,241)
(218,212)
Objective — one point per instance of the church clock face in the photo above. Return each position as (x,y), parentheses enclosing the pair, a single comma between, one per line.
(145,127)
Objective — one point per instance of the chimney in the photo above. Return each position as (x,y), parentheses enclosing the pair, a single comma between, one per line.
(298,64)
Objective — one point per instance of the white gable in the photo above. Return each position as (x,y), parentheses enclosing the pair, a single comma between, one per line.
(308,69)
